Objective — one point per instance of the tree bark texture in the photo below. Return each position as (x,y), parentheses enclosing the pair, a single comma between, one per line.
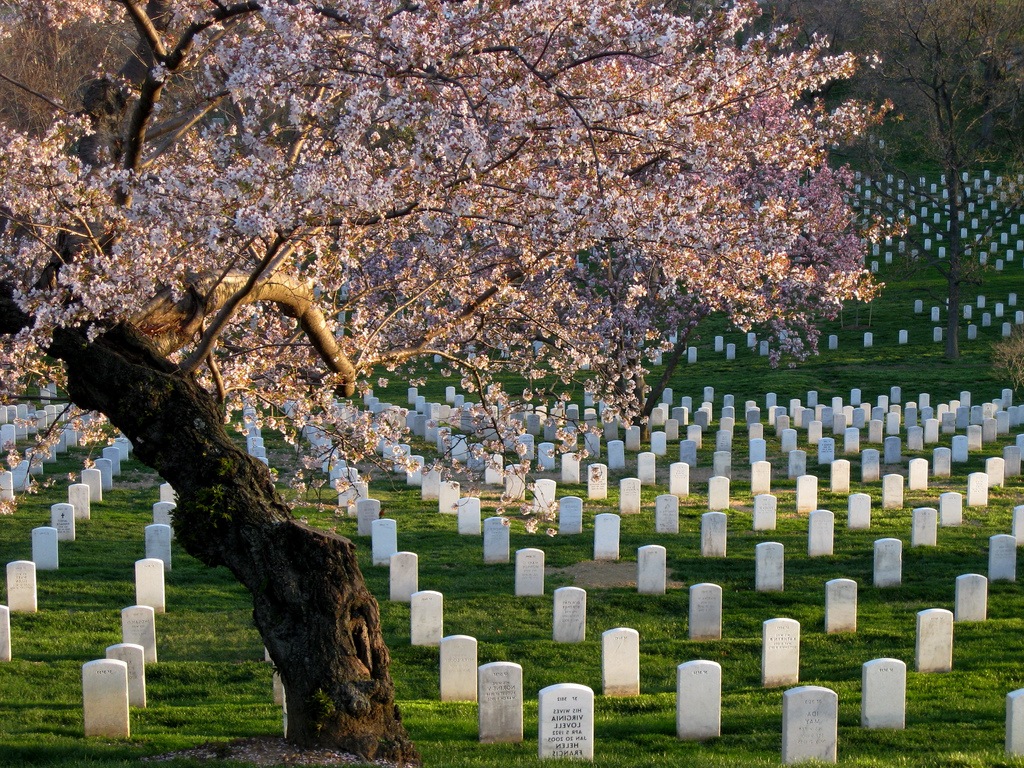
(310,603)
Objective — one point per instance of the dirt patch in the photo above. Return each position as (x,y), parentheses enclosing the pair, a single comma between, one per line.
(603,574)
(264,752)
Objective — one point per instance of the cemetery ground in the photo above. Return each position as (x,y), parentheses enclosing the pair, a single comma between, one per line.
(212,685)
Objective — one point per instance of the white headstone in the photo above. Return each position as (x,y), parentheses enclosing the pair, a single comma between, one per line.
(858,511)
(138,626)
(426,617)
(500,713)
(404,577)
(933,650)
(1002,558)
(713,527)
(105,698)
(769,566)
(650,561)
(810,716)
(780,652)
(840,606)
(496,540)
(134,656)
(5,633)
(79,495)
(384,540)
(698,700)
(565,715)
(21,586)
(923,527)
(570,615)
(529,572)
(62,518)
(883,694)
(606,536)
(149,584)
(458,657)
(44,548)
(666,513)
(971,598)
(158,543)
(820,533)
(570,515)
(705,612)
(620,662)
(888,563)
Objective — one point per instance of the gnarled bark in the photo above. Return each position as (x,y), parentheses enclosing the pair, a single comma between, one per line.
(310,602)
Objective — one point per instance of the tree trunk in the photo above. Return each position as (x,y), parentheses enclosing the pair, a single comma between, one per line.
(310,603)
(954,273)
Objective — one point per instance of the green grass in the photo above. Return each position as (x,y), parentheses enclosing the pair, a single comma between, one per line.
(211,684)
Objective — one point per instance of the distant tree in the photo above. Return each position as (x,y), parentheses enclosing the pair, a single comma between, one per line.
(274,202)
(955,71)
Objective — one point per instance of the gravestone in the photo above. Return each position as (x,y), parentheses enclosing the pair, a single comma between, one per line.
(646,467)
(840,476)
(458,668)
(94,479)
(699,700)
(650,567)
(606,536)
(597,481)
(951,509)
(570,515)
(78,497)
(620,662)
(62,518)
(840,606)
(797,464)
(883,694)
(806,493)
(1002,558)
(923,527)
(917,475)
(384,539)
(629,496)
(500,711)
(5,633)
(565,720)
(529,572)
(705,612)
(765,509)
(888,563)
(713,528)
(942,462)
(404,576)
(163,513)
(544,502)
(158,543)
(616,455)
(769,566)
(870,468)
(134,656)
(666,514)
(933,649)
(679,479)
(105,698)
(367,510)
(971,598)
(1014,744)
(858,515)
(892,491)
(21,586)
(820,533)
(718,493)
(426,617)
(496,540)
(780,652)
(138,626)
(44,548)
(810,716)
(570,615)
(977,490)
(149,584)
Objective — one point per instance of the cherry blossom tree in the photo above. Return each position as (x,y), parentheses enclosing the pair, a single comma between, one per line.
(274,201)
